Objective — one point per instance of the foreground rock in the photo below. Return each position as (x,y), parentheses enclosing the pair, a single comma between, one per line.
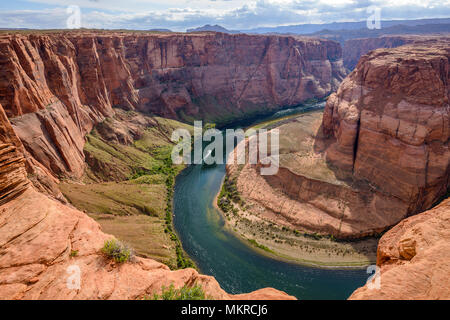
(44,243)
(56,86)
(38,236)
(414,258)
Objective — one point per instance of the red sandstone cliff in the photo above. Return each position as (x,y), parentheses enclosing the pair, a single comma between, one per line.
(414,259)
(354,49)
(38,235)
(54,87)
(380,154)
(391,123)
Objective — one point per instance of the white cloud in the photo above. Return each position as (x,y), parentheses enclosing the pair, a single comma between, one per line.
(233,14)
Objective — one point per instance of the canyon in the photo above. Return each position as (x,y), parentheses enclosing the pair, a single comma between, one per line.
(377,155)
(364,165)
(39,235)
(55,87)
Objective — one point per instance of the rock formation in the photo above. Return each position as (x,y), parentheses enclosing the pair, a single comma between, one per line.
(391,123)
(45,244)
(56,86)
(13,176)
(354,49)
(379,154)
(414,259)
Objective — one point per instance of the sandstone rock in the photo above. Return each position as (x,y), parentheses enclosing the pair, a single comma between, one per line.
(13,176)
(414,258)
(390,121)
(37,236)
(56,86)
(354,49)
(379,154)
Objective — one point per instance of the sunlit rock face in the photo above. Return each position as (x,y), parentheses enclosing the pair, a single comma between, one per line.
(414,259)
(390,123)
(56,86)
(45,244)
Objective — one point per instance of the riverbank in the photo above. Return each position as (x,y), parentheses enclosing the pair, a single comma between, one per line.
(292,246)
(128,185)
(263,229)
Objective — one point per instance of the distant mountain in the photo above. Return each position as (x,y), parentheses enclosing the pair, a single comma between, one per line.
(343,35)
(215,28)
(160,30)
(312,28)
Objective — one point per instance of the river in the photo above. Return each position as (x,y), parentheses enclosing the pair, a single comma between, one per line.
(235,265)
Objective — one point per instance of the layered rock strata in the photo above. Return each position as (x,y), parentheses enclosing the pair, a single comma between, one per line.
(56,86)
(414,259)
(51,251)
(379,154)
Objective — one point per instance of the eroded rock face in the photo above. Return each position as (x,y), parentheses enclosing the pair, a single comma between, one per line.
(13,176)
(38,241)
(379,154)
(44,244)
(414,258)
(391,123)
(58,86)
(353,49)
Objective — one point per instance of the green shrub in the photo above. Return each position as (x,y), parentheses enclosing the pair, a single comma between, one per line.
(116,250)
(184,293)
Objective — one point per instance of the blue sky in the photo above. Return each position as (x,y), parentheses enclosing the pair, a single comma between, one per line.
(179,15)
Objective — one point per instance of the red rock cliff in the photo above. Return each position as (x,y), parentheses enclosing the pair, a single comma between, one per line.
(38,236)
(54,87)
(414,259)
(353,49)
(391,123)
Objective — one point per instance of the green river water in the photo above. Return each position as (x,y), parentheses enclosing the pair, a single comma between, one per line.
(236,266)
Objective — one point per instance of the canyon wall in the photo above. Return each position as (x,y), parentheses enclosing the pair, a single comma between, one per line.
(354,49)
(391,123)
(414,259)
(379,154)
(54,87)
(44,244)
(13,176)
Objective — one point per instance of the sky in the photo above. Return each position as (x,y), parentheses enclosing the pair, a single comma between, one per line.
(178,15)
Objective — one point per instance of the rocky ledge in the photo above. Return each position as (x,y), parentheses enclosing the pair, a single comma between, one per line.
(43,242)
(414,259)
(379,154)
(55,86)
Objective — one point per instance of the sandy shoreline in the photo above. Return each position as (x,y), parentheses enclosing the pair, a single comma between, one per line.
(302,255)
(254,224)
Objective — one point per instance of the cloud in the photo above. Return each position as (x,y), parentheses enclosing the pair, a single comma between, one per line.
(233,14)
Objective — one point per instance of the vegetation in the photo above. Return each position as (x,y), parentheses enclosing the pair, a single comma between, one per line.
(117,251)
(260,246)
(185,293)
(229,195)
(128,189)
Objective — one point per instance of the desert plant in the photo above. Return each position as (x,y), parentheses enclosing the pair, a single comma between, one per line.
(185,293)
(117,250)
